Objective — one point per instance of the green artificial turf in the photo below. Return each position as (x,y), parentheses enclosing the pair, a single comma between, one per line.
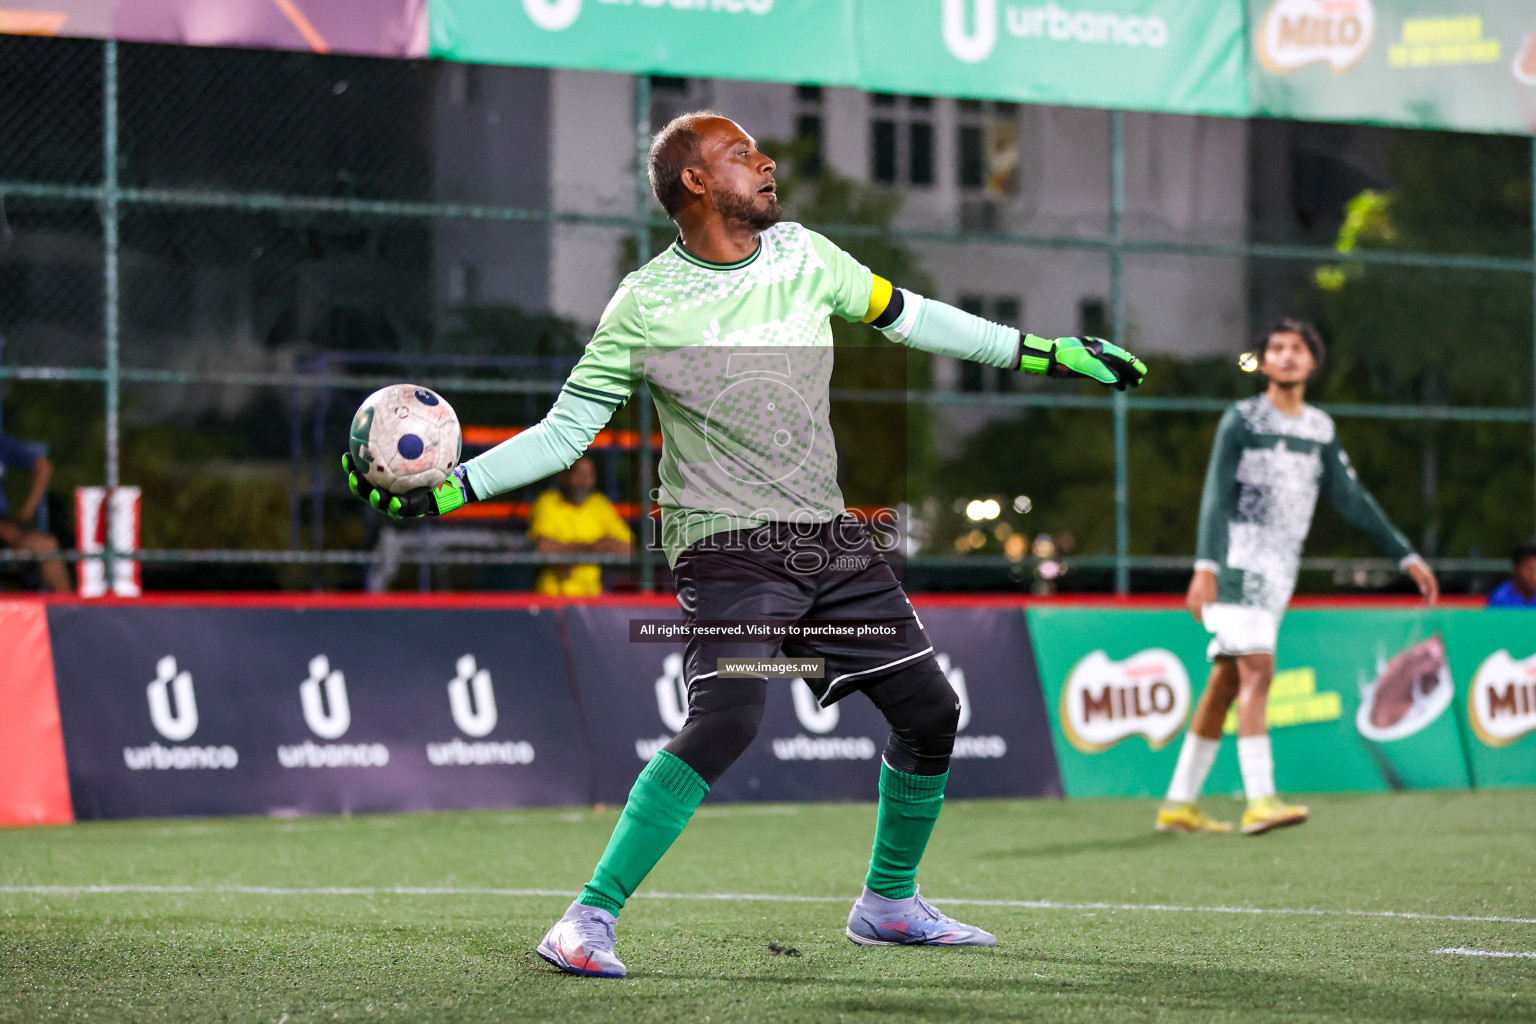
(218,951)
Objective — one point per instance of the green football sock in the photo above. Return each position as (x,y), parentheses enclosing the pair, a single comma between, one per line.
(909,805)
(659,806)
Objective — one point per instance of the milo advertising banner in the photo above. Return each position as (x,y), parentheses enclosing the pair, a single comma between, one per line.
(1361,700)
(1496,653)
(1469,65)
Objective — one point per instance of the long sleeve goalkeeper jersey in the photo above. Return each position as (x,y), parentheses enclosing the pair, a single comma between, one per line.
(738,358)
(1261,490)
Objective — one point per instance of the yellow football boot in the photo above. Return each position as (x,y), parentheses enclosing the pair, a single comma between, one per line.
(1271,812)
(1187,818)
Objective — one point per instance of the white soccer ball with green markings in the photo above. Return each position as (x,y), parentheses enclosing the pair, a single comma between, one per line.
(405,436)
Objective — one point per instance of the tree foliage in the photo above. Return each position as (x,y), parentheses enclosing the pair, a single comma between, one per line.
(1432,337)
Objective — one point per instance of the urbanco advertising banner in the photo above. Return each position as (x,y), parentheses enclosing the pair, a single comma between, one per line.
(174,711)
(1361,700)
(1467,65)
(1178,56)
(761,40)
(634,700)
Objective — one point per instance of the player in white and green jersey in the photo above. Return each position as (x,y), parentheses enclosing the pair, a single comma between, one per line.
(1273,456)
(729,328)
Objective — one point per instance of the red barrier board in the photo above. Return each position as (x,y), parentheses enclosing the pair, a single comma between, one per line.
(34,787)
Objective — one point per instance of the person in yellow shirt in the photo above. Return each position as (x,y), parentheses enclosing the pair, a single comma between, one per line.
(574,517)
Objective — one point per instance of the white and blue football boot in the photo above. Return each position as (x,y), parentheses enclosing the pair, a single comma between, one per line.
(581,942)
(878,921)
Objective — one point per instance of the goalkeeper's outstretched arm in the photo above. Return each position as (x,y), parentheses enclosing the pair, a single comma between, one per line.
(601,382)
(933,326)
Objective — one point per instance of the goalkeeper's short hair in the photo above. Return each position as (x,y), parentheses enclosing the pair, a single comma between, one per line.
(1309,335)
(673,148)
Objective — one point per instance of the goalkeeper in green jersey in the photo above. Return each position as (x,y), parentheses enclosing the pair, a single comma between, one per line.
(729,329)
(1273,456)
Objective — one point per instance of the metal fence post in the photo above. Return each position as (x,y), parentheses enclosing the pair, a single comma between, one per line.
(642,254)
(110,296)
(317,482)
(1117,305)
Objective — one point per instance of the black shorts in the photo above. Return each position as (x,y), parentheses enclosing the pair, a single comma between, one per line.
(783,572)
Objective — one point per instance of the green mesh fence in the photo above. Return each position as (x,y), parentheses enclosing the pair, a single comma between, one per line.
(207,257)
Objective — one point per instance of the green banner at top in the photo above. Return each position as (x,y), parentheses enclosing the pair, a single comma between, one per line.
(1466,65)
(1463,65)
(1181,56)
(760,40)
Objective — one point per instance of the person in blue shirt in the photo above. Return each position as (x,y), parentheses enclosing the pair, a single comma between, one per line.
(14,532)
(1519,591)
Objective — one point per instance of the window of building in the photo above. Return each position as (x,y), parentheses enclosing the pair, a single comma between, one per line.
(920,153)
(463,282)
(672,96)
(808,136)
(808,130)
(882,152)
(901,140)
(1092,318)
(973,156)
(987,148)
(1003,309)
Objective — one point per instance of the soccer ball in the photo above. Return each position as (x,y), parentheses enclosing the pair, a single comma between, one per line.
(405,436)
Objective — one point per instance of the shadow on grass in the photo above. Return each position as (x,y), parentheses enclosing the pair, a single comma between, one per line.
(1101,990)
(1128,843)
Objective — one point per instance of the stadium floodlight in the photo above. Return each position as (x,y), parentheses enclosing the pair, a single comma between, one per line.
(981,510)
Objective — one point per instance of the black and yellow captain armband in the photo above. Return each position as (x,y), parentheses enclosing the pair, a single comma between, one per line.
(885,303)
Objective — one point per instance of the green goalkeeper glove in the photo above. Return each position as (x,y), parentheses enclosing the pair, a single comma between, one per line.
(1094,358)
(452,493)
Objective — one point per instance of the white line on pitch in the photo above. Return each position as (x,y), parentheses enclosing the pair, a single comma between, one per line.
(405,890)
(1464,951)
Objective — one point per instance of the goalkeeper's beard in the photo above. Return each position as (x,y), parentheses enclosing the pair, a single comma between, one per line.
(738,209)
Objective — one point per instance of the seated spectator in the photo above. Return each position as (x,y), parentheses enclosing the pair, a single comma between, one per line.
(1519,591)
(574,517)
(14,533)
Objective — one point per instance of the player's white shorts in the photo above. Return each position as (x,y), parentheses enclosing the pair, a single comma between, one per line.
(1239,629)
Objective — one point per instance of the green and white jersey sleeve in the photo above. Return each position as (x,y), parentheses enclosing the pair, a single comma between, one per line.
(848,282)
(1261,488)
(1218,498)
(1359,507)
(600,383)
(933,326)
(607,372)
